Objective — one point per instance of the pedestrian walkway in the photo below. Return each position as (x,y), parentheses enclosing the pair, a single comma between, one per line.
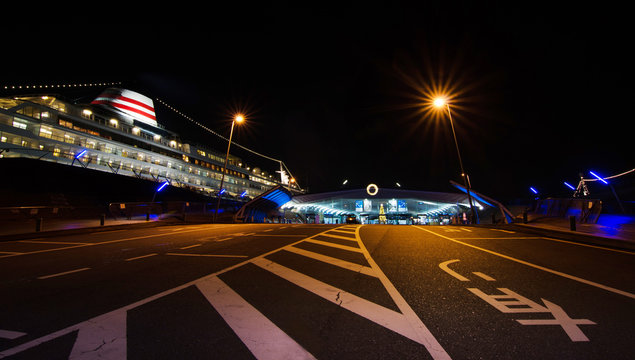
(17,229)
(616,231)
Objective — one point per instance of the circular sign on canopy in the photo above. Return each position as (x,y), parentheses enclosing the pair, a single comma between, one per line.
(372,189)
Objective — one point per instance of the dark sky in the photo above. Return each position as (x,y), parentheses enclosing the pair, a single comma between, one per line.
(541,93)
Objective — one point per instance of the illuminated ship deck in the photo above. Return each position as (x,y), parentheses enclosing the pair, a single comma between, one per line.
(123,137)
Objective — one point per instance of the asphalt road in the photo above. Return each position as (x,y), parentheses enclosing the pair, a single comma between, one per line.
(273,291)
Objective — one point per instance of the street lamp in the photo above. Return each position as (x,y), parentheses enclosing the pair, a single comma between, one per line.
(237,119)
(440,102)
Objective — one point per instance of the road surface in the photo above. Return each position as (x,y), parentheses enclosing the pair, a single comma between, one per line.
(274,291)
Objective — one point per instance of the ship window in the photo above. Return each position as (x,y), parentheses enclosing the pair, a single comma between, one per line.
(19,124)
(46,132)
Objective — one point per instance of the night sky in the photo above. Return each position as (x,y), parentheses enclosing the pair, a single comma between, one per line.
(539,94)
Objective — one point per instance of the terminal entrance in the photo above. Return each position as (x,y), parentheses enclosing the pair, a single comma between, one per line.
(387,206)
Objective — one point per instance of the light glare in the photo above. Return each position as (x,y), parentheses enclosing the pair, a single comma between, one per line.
(439,102)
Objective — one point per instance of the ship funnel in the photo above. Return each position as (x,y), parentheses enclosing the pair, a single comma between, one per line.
(130,103)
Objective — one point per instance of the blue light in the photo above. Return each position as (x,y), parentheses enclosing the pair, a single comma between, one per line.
(80,154)
(162,186)
(599,178)
(221,192)
(569,185)
(243,193)
(533,190)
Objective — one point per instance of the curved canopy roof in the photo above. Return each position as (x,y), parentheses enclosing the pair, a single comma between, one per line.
(374,200)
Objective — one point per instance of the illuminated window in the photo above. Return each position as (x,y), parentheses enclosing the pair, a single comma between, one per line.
(136,130)
(68,124)
(19,125)
(46,132)
(114,122)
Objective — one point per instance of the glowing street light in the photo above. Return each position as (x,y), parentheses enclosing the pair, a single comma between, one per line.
(239,118)
(440,102)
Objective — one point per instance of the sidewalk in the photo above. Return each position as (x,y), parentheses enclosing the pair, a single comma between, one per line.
(617,235)
(25,229)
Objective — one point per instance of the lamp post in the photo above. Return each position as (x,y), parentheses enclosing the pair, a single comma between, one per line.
(439,103)
(237,119)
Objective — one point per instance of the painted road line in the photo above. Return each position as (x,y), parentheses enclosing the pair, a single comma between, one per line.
(592,246)
(483,276)
(262,337)
(54,335)
(283,235)
(209,255)
(10,252)
(191,246)
(141,257)
(502,238)
(555,272)
(103,337)
(360,306)
(62,273)
(444,267)
(505,231)
(326,243)
(11,335)
(335,236)
(423,334)
(53,242)
(333,261)
(95,244)
(224,239)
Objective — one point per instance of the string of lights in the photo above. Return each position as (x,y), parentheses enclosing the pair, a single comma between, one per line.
(58,86)
(180,113)
(189,118)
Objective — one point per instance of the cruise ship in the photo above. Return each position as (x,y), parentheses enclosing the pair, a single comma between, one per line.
(118,133)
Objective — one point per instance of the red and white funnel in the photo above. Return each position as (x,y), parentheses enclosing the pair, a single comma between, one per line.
(130,103)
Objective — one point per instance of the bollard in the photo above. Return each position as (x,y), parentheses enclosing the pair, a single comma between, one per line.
(572,222)
(102,219)
(38,224)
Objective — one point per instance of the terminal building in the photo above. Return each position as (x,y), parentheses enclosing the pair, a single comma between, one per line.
(375,205)
(118,133)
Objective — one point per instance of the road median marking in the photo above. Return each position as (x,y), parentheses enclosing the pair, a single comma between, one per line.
(555,272)
(141,257)
(11,335)
(190,246)
(62,273)
(208,255)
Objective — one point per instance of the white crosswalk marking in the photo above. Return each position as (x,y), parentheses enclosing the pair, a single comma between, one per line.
(263,338)
(105,336)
